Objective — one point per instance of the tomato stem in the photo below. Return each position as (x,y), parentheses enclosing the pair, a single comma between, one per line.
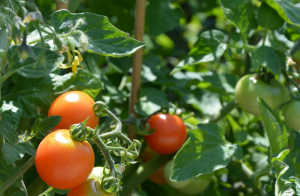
(17,174)
(47,191)
(106,154)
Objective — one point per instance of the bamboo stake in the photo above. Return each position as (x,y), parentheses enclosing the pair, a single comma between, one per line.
(137,58)
(61,5)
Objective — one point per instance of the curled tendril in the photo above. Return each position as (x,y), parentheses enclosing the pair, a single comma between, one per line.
(99,107)
(113,141)
(110,184)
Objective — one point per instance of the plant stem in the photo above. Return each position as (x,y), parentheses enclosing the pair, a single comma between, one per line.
(47,191)
(105,153)
(17,174)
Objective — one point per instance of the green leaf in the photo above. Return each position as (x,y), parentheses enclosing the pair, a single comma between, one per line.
(204,152)
(286,188)
(47,124)
(37,94)
(209,47)
(19,193)
(12,153)
(240,135)
(287,10)
(208,102)
(281,156)
(27,148)
(220,82)
(8,132)
(268,18)
(28,67)
(266,57)
(11,109)
(241,13)
(103,37)
(275,129)
(151,100)
(278,163)
(162,16)
(119,12)
(6,170)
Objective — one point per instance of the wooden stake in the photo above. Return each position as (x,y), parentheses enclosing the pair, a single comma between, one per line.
(61,5)
(137,58)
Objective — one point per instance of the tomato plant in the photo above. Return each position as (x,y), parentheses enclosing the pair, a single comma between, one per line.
(227,67)
(169,135)
(73,107)
(62,162)
(250,87)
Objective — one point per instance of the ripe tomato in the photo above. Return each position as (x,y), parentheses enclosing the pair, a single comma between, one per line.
(249,88)
(191,186)
(92,186)
(62,162)
(169,135)
(291,112)
(158,176)
(73,107)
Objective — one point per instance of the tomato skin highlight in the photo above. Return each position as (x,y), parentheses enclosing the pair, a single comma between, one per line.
(291,112)
(169,135)
(248,88)
(73,107)
(62,162)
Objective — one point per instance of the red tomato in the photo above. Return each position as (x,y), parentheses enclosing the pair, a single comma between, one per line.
(169,135)
(73,107)
(62,162)
(158,176)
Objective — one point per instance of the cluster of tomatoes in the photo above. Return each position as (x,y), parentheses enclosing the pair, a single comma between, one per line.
(169,135)
(63,162)
(273,93)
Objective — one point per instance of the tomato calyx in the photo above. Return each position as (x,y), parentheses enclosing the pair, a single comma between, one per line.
(264,75)
(80,132)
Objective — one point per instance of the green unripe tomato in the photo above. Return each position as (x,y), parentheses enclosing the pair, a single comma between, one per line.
(167,175)
(191,186)
(291,113)
(249,88)
(92,185)
(197,185)
(97,173)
